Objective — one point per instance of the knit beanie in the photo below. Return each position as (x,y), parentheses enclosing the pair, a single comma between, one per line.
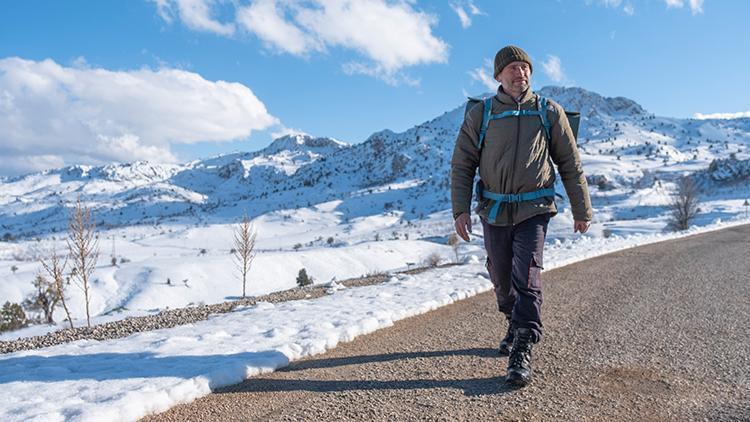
(508,55)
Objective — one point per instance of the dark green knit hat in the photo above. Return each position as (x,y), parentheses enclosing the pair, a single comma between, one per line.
(508,55)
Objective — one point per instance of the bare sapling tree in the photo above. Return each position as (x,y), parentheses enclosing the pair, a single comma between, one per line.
(684,205)
(83,245)
(244,243)
(55,268)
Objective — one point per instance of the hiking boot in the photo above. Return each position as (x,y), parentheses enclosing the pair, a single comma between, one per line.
(519,363)
(507,342)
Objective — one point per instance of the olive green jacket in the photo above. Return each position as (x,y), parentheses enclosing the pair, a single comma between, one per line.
(515,159)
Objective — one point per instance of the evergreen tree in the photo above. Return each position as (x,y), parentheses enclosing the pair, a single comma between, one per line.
(12,317)
(303,279)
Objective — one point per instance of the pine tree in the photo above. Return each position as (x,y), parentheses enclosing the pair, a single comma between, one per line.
(12,317)
(303,279)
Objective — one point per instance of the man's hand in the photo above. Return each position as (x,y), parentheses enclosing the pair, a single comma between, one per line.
(463,226)
(579,226)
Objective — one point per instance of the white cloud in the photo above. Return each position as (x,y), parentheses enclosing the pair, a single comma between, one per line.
(375,71)
(474,9)
(390,34)
(54,115)
(627,7)
(196,14)
(463,14)
(738,115)
(553,68)
(266,19)
(696,6)
(612,3)
(284,131)
(484,75)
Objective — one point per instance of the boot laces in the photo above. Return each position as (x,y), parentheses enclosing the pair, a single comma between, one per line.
(519,356)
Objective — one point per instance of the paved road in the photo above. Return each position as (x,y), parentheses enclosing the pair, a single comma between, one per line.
(658,333)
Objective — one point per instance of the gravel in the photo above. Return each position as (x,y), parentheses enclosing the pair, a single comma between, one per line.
(174,317)
(657,333)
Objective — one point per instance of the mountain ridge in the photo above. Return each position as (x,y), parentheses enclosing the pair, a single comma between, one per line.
(301,170)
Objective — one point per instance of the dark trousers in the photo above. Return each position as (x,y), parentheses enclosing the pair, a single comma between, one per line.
(514,261)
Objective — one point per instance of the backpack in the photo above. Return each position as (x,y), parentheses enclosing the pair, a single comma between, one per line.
(574,118)
(541,110)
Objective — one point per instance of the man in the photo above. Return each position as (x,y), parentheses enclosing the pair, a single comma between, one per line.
(516,196)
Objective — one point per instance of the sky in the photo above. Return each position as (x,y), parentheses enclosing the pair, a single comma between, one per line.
(96,82)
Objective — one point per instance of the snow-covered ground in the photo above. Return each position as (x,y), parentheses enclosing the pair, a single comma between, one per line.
(181,265)
(334,209)
(128,378)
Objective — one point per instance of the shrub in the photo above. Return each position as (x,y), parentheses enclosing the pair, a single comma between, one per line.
(303,279)
(44,299)
(433,260)
(684,205)
(12,317)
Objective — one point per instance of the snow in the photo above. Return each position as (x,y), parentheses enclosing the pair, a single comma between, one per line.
(335,209)
(128,378)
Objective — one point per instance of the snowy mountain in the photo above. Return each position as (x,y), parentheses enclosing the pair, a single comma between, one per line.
(621,144)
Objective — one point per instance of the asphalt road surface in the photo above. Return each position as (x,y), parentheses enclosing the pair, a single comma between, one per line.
(660,332)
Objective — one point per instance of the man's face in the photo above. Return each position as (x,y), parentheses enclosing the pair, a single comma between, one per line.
(515,77)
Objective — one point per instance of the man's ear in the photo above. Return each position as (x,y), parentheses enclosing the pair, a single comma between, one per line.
(497,78)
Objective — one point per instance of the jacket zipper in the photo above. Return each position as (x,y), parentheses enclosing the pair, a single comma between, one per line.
(512,206)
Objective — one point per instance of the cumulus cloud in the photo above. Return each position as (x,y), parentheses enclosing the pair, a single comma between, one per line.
(484,76)
(696,6)
(738,115)
(52,115)
(195,14)
(392,35)
(389,34)
(553,68)
(267,19)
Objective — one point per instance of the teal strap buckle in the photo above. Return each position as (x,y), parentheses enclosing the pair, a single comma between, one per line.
(500,198)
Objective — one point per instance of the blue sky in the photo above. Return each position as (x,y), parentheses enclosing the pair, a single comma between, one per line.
(174,80)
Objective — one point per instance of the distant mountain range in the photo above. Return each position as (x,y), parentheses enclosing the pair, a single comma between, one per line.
(622,146)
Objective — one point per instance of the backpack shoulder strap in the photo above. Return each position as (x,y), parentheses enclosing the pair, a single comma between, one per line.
(542,107)
(485,120)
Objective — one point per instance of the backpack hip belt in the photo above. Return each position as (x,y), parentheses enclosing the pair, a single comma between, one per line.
(511,198)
